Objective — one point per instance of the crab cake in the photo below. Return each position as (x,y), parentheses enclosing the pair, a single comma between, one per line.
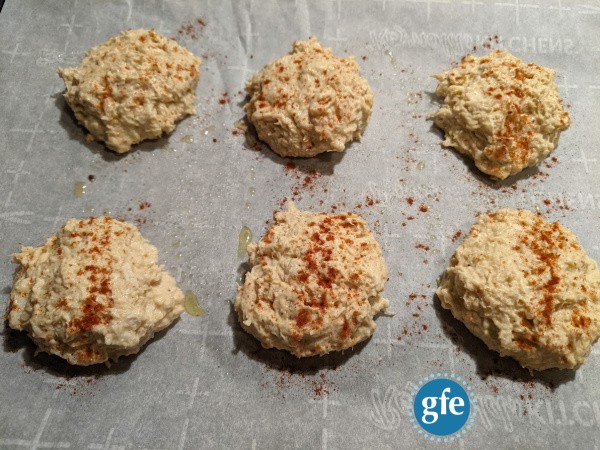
(503,113)
(315,283)
(133,87)
(526,288)
(309,101)
(92,292)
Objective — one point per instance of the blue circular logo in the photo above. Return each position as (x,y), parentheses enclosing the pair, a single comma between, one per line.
(442,406)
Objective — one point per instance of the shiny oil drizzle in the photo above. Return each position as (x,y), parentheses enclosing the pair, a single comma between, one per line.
(208,130)
(191,304)
(244,239)
(79,189)
(240,280)
(390,55)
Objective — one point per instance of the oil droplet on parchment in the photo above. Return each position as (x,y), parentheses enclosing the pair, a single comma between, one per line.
(191,304)
(79,189)
(187,139)
(390,55)
(208,130)
(240,280)
(244,239)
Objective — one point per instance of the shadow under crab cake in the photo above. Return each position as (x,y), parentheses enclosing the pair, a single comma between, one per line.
(77,132)
(54,365)
(322,164)
(489,363)
(282,360)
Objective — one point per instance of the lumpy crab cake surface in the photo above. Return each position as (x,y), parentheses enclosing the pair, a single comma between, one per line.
(92,292)
(503,113)
(133,87)
(527,288)
(314,284)
(309,101)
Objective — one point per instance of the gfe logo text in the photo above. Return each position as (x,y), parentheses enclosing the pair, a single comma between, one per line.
(442,407)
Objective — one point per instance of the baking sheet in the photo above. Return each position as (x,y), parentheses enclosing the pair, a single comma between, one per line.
(204,383)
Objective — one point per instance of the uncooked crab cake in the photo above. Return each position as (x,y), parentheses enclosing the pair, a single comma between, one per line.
(92,292)
(527,288)
(315,283)
(309,101)
(133,87)
(503,113)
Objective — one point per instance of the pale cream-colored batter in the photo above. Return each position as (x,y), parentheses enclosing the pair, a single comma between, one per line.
(503,113)
(92,292)
(527,288)
(309,101)
(315,283)
(133,87)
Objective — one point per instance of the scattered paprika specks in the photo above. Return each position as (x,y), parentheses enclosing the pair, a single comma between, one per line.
(556,205)
(317,386)
(140,219)
(77,385)
(322,387)
(192,29)
(306,181)
(487,44)
(551,162)
(282,201)
(369,201)
(224,100)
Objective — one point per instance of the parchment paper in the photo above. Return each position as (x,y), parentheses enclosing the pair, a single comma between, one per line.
(206,384)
